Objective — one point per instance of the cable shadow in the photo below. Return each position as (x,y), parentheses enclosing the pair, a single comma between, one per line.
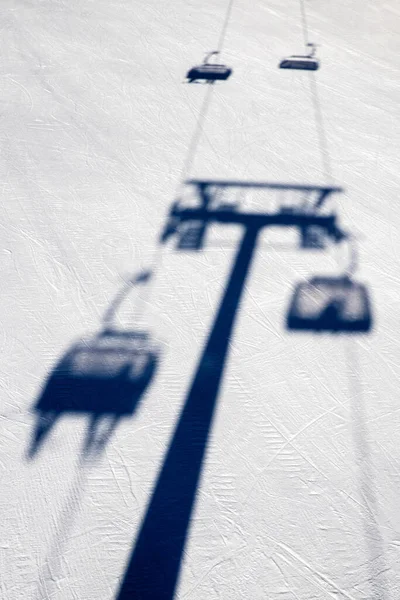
(377,566)
(50,571)
(152,571)
(141,278)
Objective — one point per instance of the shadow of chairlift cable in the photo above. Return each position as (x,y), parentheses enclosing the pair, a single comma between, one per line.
(302,62)
(209,72)
(102,376)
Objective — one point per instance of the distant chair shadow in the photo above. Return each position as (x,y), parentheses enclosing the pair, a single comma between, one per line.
(331,304)
(208,73)
(102,376)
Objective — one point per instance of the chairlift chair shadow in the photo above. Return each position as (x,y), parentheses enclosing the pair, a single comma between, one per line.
(102,375)
(209,72)
(330,304)
(306,62)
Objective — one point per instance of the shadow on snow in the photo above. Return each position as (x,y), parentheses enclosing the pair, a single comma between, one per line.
(154,565)
(102,376)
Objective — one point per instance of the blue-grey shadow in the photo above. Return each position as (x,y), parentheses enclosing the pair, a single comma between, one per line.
(330,304)
(102,377)
(152,570)
(209,72)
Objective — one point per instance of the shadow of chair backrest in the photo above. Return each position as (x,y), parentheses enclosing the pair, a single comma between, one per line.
(333,304)
(103,375)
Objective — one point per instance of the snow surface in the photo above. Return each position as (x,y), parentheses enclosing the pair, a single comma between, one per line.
(299,489)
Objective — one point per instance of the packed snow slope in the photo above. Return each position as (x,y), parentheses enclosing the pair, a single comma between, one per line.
(257,462)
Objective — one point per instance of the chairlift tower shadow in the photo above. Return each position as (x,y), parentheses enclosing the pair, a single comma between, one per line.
(154,565)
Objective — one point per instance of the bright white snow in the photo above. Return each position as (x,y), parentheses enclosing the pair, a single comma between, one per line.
(299,493)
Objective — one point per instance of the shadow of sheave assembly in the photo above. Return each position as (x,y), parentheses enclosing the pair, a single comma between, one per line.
(102,377)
